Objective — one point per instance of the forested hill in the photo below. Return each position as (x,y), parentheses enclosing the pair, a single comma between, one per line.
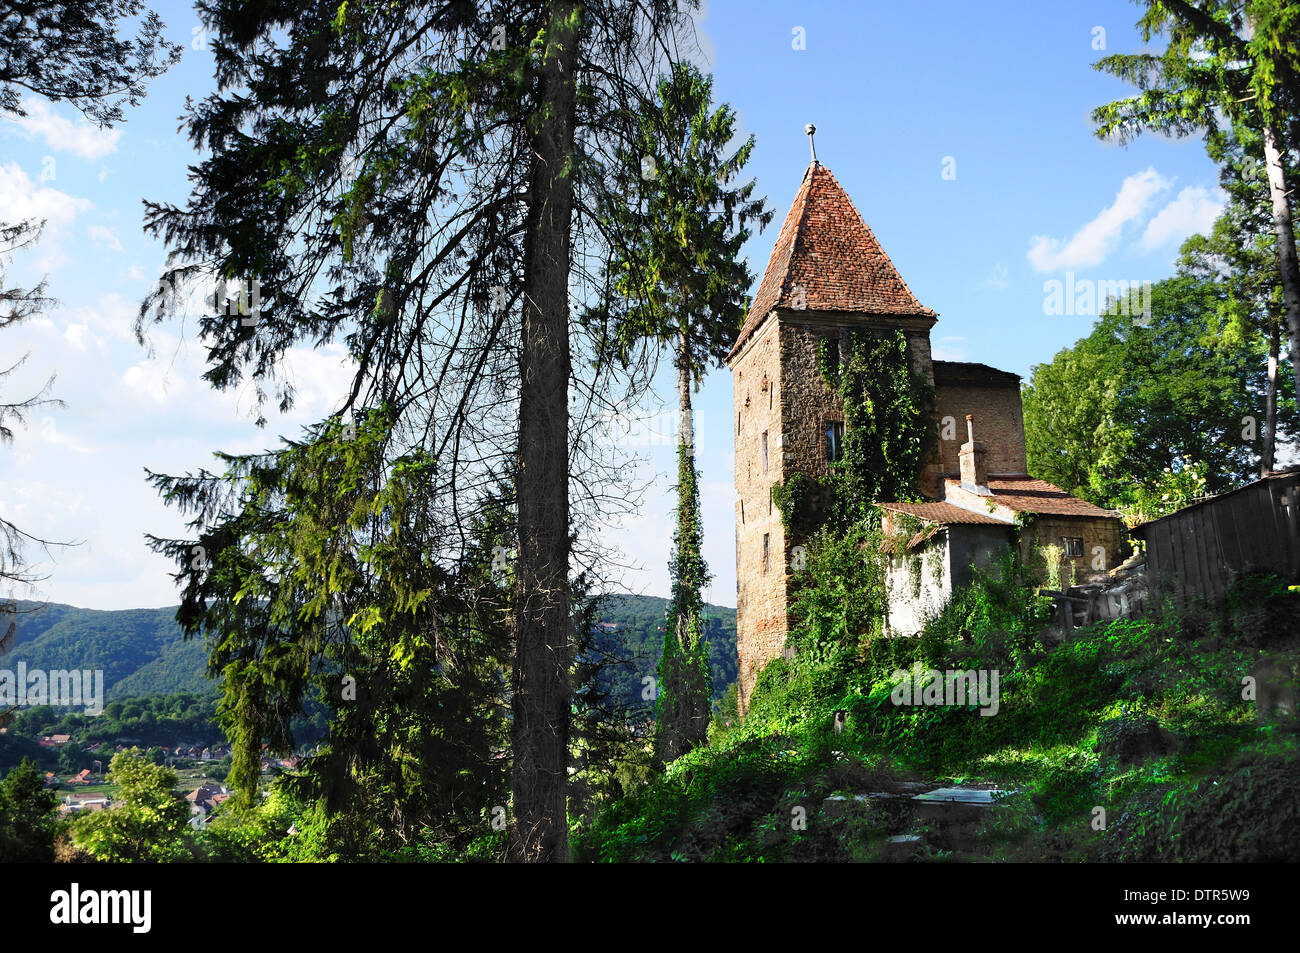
(142,651)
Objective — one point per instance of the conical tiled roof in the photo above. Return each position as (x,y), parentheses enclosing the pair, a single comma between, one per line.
(826,247)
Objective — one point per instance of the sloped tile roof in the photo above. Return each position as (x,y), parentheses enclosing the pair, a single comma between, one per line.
(942,513)
(825,246)
(1024,494)
(938,515)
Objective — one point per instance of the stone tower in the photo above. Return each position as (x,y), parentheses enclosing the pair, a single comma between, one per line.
(827,275)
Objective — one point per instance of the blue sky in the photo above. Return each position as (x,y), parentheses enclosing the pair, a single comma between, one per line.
(996,95)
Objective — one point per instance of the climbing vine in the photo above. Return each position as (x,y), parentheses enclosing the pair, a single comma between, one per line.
(888,435)
(895,544)
(684,680)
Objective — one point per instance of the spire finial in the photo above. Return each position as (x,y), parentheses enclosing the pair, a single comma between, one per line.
(811,131)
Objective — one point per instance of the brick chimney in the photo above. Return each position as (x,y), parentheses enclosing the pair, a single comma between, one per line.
(974,468)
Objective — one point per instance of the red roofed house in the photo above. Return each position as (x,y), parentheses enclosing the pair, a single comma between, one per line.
(827,276)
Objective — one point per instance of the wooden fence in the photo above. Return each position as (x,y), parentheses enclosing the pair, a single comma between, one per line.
(1253,529)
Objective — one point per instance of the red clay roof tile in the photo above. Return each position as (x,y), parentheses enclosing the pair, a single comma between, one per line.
(825,246)
(1024,494)
(942,513)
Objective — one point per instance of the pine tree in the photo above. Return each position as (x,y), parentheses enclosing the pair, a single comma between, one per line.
(684,679)
(424,183)
(681,284)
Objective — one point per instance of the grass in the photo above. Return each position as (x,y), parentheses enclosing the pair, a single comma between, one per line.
(1141,718)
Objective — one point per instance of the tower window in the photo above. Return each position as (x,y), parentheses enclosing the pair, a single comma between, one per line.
(767,552)
(1073,545)
(763,445)
(834,441)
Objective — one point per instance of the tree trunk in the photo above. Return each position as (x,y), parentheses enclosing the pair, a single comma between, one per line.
(690,619)
(1286,253)
(540,730)
(1270,406)
(685,421)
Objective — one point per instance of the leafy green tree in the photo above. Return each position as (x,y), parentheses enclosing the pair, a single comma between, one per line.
(1241,251)
(26,816)
(1228,61)
(150,823)
(1106,417)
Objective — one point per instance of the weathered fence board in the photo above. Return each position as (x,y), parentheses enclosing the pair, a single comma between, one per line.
(1256,528)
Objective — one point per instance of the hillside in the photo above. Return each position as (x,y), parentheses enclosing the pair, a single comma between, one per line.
(1131,740)
(142,651)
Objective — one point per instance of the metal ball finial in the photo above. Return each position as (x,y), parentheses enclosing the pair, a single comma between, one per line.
(810,130)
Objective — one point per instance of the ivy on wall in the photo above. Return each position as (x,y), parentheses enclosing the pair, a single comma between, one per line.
(888,435)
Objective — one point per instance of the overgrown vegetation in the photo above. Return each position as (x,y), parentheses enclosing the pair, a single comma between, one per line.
(888,435)
(1140,717)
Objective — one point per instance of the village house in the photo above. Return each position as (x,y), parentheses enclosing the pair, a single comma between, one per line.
(203,800)
(77,803)
(829,276)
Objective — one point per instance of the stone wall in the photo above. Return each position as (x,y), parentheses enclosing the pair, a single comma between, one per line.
(777,389)
(761,598)
(999,425)
(1108,534)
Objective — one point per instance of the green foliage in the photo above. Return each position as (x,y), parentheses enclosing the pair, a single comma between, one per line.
(1247,814)
(1105,418)
(680,217)
(839,603)
(149,825)
(26,816)
(319,587)
(684,691)
(1119,715)
(140,651)
(1171,491)
(154,720)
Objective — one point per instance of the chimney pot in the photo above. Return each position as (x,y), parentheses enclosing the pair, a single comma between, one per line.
(973,460)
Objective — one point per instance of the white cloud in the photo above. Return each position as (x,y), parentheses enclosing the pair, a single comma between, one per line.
(1193,212)
(102,233)
(78,136)
(1090,244)
(21,199)
(77,335)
